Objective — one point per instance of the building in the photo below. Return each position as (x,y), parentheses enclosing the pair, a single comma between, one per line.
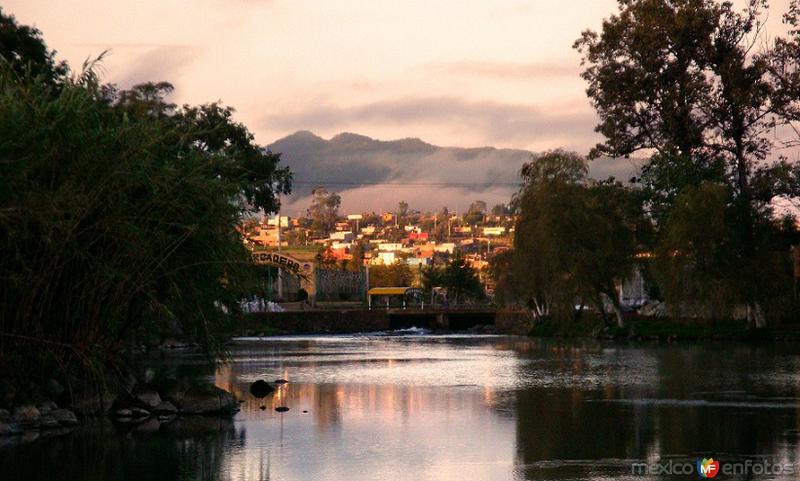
(343,236)
(385,258)
(494,231)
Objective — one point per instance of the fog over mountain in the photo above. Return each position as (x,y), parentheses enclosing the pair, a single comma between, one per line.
(353,164)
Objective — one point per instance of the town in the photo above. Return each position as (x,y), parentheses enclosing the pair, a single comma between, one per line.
(398,247)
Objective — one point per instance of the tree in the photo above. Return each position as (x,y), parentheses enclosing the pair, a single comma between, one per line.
(462,282)
(697,239)
(402,210)
(24,49)
(677,77)
(119,219)
(357,252)
(476,212)
(393,275)
(324,210)
(459,279)
(500,210)
(574,241)
(680,78)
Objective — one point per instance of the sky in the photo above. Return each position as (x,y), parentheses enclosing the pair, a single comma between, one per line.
(451,72)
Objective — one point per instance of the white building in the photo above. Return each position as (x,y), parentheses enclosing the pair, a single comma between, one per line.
(494,231)
(344,236)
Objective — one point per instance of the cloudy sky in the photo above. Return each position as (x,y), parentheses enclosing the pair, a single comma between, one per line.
(454,73)
(475,73)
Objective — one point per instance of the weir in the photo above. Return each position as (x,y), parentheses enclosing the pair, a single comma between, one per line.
(363,320)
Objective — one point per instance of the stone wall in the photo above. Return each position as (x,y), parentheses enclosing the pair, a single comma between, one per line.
(339,285)
(313,322)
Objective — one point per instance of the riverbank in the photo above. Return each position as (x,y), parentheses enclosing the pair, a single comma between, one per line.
(649,328)
(638,327)
(56,410)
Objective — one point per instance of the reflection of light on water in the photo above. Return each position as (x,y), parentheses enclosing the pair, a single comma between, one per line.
(225,378)
(368,431)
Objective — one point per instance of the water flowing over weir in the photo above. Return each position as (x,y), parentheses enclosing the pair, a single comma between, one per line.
(376,319)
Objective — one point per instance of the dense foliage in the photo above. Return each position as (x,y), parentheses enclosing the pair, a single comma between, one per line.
(458,278)
(694,86)
(118,215)
(574,239)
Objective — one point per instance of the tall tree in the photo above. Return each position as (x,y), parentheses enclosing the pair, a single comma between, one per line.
(475,212)
(680,78)
(575,241)
(324,210)
(120,216)
(25,51)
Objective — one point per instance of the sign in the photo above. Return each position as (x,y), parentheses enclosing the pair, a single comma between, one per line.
(282,261)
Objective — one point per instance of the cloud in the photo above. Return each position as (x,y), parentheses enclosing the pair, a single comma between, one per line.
(425,175)
(147,62)
(508,70)
(385,198)
(500,123)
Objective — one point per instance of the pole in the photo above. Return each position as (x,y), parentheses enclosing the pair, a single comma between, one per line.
(280,271)
(366,282)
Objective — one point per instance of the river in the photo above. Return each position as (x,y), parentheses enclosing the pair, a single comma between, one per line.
(414,406)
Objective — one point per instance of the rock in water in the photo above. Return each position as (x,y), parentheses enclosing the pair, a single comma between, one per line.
(281,381)
(46,407)
(139,412)
(165,407)
(261,388)
(9,429)
(65,417)
(149,398)
(209,401)
(281,409)
(48,422)
(27,415)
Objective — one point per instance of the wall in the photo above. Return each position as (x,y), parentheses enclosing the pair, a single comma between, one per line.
(313,322)
(338,285)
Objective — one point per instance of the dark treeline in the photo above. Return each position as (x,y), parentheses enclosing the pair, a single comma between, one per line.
(118,214)
(697,89)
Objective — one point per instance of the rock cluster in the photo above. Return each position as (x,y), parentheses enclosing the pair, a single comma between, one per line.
(137,404)
(25,417)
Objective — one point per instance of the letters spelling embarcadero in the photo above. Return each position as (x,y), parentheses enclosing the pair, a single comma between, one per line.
(276,259)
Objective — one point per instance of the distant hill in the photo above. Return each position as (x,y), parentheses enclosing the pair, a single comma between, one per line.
(351,161)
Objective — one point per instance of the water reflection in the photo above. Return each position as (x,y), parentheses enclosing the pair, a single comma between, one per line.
(452,408)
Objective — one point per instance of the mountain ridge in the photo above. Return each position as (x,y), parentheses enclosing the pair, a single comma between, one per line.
(349,161)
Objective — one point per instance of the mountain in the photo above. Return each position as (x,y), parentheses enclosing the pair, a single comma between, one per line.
(352,164)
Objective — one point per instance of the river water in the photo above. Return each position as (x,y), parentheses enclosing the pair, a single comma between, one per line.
(425,407)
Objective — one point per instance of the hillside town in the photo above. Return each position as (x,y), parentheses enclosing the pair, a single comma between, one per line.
(387,238)
(403,239)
